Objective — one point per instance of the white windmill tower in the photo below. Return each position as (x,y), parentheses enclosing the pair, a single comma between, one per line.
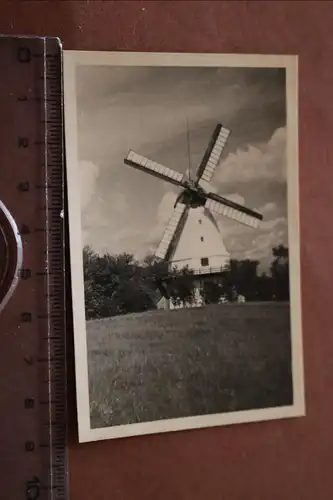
(192,238)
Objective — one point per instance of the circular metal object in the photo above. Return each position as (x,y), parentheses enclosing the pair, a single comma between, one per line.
(11,255)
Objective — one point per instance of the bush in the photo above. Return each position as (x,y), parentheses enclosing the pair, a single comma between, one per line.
(119,284)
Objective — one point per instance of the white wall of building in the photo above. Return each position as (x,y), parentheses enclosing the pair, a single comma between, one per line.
(200,245)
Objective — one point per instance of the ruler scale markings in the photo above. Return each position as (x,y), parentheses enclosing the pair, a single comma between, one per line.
(45,95)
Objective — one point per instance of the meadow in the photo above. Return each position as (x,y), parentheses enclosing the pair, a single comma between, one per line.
(168,364)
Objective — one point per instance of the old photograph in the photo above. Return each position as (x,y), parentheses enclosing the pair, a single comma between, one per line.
(183,206)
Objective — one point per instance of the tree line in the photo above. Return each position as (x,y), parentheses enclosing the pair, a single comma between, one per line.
(120,284)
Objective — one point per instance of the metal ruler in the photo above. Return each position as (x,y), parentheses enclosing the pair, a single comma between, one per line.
(32,286)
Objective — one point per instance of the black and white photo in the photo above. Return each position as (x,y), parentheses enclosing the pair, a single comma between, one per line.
(182,174)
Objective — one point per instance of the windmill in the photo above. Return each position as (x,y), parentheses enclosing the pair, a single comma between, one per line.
(192,237)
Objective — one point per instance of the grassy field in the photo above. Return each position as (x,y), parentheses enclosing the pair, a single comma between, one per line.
(166,364)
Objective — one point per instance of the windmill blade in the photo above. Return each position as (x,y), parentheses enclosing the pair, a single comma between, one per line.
(213,154)
(232,210)
(151,167)
(173,226)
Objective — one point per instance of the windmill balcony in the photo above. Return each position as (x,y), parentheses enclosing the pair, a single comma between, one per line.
(215,264)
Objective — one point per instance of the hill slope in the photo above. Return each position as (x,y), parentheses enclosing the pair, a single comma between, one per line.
(166,364)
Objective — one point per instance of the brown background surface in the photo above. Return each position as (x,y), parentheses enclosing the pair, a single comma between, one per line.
(283,459)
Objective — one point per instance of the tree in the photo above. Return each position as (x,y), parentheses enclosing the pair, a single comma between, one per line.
(264,287)
(175,284)
(114,284)
(280,272)
(242,275)
(181,286)
(119,284)
(94,288)
(211,291)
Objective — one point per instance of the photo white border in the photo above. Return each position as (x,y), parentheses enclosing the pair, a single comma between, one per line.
(72,59)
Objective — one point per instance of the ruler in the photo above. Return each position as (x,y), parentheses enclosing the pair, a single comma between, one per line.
(32,291)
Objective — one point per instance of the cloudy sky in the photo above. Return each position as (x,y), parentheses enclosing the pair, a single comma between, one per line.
(146,109)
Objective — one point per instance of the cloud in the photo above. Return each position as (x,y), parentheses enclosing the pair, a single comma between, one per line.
(268,208)
(165,208)
(269,225)
(244,242)
(264,242)
(90,213)
(88,181)
(262,161)
(258,245)
(146,109)
(119,201)
(99,213)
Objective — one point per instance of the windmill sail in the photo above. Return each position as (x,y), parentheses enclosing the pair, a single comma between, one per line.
(233,210)
(194,196)
(151,167)
(173,226)
(213,154)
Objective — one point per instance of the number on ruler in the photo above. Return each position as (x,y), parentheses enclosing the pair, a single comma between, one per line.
(26,317)
(23,142)
(24,186)
(24,55)
(29,403)
(29,446)
(25,274)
